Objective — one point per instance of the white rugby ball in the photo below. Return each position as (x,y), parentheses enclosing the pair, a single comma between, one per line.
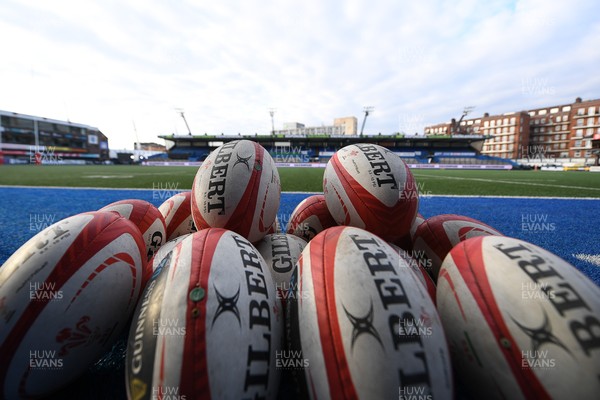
(157,261)
(237,188)
(363,322)
(177,212)
(370,187)
(65,297)
(521,322)
(146,217)
(436,236)
(209,325)
(281,252)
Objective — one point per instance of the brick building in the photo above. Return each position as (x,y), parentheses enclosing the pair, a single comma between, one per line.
(560,131)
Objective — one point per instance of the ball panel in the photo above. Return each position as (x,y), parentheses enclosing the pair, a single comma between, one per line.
(58,275)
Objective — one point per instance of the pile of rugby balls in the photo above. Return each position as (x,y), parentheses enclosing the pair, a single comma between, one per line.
(218,303)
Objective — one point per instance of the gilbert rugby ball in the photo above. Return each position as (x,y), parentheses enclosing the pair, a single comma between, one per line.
(436,236)
(310,217)
(157,261)
(281,252)
(65,297)
(146,217)
(521,322)
(209,325)
(177,212)
(365,324)
(237,188)
(368,186)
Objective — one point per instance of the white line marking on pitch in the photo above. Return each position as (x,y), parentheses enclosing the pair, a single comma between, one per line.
(504,181)
(308,193)
(590,258)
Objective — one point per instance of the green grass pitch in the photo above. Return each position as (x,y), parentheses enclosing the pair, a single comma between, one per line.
(429,182)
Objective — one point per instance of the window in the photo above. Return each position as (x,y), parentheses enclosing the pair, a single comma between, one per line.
(543,121)
(557,128)
(543,112)
(563,145)
(590,121)
(554,110)
(93,139)
(591,110)
(564,136)
(512,120)
(542,129)
(512,129)
(556,137)
(558,118)
(505,121)
(486,124)
(532,113)
(580,122)
(579,132)
(578,143)
(493,122)
(566,108)
(577,154)
(589,132)
(565,117)
(580,111)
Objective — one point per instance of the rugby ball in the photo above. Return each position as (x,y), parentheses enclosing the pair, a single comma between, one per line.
(65,297)
(363,323)
(157,261)
(436,236)
(521,322)
(419,267)
(177,212)
(370,187)
(406,241)
(281,252)
(310,217)
(208,325)
(237,188)
(146,217)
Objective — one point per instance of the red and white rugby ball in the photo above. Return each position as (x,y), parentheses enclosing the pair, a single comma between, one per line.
(370,187)
(146,217)
(406,241)
(521,322)
(436,236)
(237,188)
(281,252)
(209,325)
(310,217)
(367,328)
(65,297)
(177,212)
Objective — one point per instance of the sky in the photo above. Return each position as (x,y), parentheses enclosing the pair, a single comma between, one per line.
(128,66)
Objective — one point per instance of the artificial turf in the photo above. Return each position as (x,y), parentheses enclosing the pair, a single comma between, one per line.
(429,182)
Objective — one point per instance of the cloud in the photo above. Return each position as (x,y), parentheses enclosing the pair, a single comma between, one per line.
(109,63)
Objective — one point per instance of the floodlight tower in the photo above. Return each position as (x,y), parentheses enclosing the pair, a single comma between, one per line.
(180,111)
(272,113)
(466,111)
(367,110)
